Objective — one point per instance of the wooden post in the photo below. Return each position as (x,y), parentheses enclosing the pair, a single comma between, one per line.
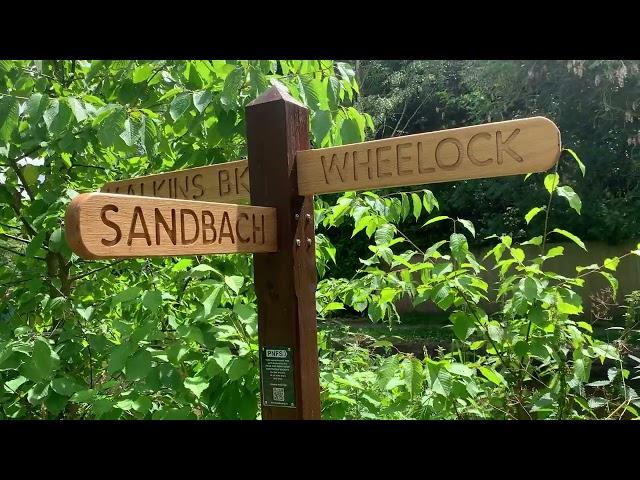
(285,281)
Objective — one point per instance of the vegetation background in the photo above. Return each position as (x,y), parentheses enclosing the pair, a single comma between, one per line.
(176,338)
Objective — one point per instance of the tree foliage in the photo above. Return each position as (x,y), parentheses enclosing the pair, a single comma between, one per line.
(172,338)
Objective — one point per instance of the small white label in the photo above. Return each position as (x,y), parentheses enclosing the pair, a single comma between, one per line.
(271,353)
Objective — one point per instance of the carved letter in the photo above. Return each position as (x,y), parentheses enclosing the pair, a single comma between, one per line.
(183,232)
(470,154)
(357,163)
(223,179)
(334,165)
(455,164)
(209,226)
(242,240)
(109,223)
(185,195)
(378,159)
(257,229)
(504,146)
(197,185)
(420,169)
(160,220)
(137,213)
(401,157)
(157,187)
(244,172)
(225,217)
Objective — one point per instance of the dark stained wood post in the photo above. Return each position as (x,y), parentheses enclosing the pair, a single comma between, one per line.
(285,281)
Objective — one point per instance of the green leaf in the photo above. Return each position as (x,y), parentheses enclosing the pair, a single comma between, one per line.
(118,358)
(30,173)
(138,366)
(463,324)
(222,356)
(231,89)
(65,386)
(492,375)
(37,393)
(571,196)
(459,369)
(611,263)
(142,72)
(551,182)
(413,376)
(387,294)
(9,109)
(202,99)
(309,91)
(14,384)
(128,295)
(571,237)
(152,299)
(182,265)
(555,252)
(435,219)
(613,281)
(429,201)
(77,108)
(578,161)
(196,385)
(320,126)
(179,105)
(246,313)
(133,132)
(350,132)
(57,117)
(238,368)
(532,213)
(459,246)
(43,358)
(468,225)
(529,288)
(495,332)
(234,282)
(417,205)
(533,241)
(36,106)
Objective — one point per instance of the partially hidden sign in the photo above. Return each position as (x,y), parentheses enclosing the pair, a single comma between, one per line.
(100,225)
(223,182)
(492,150)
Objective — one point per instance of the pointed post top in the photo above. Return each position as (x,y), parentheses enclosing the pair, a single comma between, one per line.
(275,94)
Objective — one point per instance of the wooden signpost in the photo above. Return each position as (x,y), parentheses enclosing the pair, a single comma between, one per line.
(102,225)
(492,150)
(172,214)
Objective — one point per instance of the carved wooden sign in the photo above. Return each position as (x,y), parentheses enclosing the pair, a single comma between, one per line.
(492,150)
(497,149)
(224,182)
(100,225)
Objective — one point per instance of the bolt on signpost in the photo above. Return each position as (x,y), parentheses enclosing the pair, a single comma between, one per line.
(175,213)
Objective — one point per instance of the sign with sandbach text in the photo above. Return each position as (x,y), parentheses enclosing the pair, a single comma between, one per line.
(224,182)
(100,225)
(492,150)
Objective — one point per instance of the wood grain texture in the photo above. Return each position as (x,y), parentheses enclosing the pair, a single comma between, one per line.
(285,281)
(495,149)
(225,182)
(101,225)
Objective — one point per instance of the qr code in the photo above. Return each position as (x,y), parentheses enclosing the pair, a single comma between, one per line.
(278,394)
